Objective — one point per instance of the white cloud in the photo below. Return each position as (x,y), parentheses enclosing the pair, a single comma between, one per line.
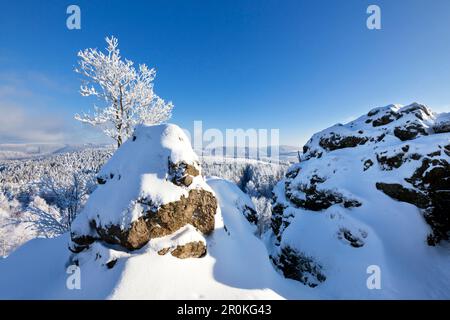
(30,113)
(18,125)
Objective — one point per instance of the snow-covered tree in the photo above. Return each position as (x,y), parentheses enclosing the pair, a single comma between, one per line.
(126,92)
(52,211)
(67,195)
(263,208)
(47,220)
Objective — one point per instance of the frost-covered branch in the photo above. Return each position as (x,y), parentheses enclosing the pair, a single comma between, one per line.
(127,93)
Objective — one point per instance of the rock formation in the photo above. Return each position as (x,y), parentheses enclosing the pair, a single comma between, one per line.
(150,189)
(349,177)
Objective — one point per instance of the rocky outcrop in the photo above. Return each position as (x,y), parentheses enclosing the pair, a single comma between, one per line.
(305,192)
(340,184)
(316,200)
(433,179)
(409,131)
(198,209)
(152,198)
(404,123)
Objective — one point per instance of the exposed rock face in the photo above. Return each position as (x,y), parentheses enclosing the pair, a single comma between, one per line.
(170,194)
(404,123)
(190,250)
(385,119)
(341,184)
(410,131)
(433,179)
(182,173)
(355,240)
(316,200)
(400,193)
(305,191)
(429,188)
(442,127)
(134,237)
(198,209)
(335,141)
(194,249)
(295,265)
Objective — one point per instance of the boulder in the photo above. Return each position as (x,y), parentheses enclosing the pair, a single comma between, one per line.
(150,188)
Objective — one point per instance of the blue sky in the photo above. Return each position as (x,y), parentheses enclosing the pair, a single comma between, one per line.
(299,66)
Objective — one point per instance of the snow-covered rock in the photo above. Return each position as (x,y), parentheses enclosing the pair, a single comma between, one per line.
(150,188)
(375,191)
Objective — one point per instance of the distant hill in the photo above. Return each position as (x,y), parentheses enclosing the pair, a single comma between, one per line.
(31,150)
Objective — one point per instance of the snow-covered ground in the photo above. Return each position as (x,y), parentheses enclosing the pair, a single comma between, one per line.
(236,267)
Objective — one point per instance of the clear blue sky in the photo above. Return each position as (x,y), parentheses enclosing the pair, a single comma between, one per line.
(295,65)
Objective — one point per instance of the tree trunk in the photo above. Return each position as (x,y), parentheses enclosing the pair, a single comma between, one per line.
(119,136)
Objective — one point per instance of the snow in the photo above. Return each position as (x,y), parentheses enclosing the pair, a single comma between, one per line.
(394,233)
(180,237)
(362,128)
(23,181)
(236,266)
(237,263)
(130,184)
(127,92)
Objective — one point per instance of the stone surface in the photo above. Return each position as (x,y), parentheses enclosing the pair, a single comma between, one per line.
(195,249)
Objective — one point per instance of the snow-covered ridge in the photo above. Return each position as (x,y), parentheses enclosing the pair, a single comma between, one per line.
(386,124)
